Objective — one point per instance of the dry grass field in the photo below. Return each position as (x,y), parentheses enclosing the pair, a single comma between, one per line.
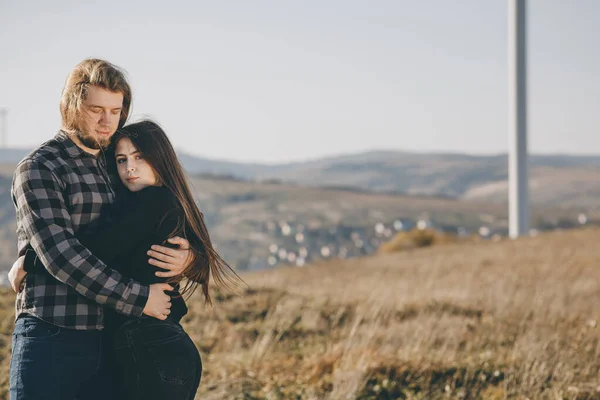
(505,320)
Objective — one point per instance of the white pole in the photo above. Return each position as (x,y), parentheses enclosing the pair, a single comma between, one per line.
(517,98)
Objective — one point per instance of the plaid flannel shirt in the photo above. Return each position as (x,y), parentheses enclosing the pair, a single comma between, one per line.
(59,190)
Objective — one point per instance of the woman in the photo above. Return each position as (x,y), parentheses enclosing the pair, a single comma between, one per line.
(153,358)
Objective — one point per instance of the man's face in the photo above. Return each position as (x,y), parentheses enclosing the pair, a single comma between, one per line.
(101,111)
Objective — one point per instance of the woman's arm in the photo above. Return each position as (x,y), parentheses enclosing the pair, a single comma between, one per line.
(170,224)
(140,219)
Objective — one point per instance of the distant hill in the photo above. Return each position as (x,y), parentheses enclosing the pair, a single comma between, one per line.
(560,180)
(262,224)
(557,180)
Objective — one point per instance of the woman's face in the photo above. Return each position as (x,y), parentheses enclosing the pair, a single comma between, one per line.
(135,173)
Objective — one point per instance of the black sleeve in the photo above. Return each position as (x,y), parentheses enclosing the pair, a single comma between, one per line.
(144,213)
(169,226)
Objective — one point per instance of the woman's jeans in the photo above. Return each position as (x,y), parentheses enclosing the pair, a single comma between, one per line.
(53,363)
(155,359)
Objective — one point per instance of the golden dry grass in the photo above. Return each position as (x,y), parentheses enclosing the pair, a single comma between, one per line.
(507,320)
(416,237)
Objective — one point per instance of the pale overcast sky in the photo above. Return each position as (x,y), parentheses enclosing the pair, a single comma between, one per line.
(275,81)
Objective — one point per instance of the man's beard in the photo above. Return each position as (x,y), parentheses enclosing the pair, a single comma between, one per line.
(90,141)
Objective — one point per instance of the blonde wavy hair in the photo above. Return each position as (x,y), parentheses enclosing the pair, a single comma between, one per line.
(91,72)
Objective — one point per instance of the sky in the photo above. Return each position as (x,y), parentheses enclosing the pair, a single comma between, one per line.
(282,81)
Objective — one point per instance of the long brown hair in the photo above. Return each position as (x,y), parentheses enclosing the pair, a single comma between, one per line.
(151,140)
(91,72)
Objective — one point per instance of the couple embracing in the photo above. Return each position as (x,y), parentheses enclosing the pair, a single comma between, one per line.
(110,239)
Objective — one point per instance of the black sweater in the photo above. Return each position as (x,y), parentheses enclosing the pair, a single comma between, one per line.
(139,220)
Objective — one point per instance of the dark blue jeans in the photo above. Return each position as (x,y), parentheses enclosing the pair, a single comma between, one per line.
(155,359)
(53,363)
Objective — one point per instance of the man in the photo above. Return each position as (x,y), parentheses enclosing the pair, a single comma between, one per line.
(59,189)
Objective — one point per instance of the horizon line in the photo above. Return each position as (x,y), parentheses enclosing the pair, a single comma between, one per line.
(358,153)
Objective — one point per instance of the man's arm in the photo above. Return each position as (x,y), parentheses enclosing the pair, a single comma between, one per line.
(43,215)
